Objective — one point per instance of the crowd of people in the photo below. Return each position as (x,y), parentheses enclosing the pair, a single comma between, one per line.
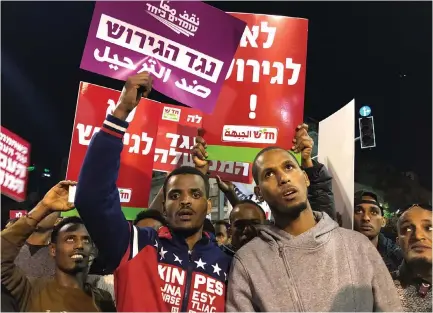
(172,259)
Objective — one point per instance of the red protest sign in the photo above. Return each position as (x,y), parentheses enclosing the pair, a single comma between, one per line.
(14,160)
(177,128)
(262,100)
(17,213)
(135,173)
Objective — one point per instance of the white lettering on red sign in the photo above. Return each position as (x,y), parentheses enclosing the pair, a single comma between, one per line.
(13,165)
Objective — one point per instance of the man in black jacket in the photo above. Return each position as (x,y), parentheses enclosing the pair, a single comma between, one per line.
(368,220)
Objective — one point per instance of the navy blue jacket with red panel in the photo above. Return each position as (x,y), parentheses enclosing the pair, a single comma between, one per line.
(154,271)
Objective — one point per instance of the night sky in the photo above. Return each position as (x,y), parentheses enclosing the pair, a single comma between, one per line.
(379,53)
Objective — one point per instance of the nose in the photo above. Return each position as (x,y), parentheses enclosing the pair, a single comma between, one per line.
(365,217)
(419,234)
(185,200)
(79,244)
(283,178)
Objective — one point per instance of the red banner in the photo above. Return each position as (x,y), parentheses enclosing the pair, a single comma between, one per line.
(262,100)
(14,160)
(135,174)
(17,213)
(177,129)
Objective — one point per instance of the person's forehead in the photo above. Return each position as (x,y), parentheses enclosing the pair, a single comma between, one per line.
(220,227)
(273,158)
(71,228)
(367,206)
(185,182)
(416,215)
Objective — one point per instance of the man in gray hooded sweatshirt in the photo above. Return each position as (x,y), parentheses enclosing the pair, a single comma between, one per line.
(305,262)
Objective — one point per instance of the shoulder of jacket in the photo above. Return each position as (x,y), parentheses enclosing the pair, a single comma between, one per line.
(352,236)
(254,247)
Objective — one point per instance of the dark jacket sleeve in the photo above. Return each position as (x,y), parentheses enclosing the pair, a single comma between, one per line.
(13,278)
(97,198)
(320,192)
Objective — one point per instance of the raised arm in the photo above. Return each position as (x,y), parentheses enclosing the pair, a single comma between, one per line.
(97,197)
(14,237)
(320,192)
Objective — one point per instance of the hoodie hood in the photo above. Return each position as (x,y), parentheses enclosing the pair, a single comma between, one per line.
(311,239)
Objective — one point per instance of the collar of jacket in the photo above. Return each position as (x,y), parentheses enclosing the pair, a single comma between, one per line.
(165,232)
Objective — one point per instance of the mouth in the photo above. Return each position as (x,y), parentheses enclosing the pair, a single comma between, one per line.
(420,247)
(185,214)
(290,193)
(366,227)
(78,256)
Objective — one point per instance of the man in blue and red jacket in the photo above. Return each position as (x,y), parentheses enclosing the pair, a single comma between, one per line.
(174,269)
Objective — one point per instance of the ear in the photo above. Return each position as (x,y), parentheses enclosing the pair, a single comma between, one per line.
(52,250)
(258,193)
(307,181)
(383,222)
(209,206)
(397,242)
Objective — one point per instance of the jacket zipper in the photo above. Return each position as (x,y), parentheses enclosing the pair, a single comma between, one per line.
(188,282)
(293,290)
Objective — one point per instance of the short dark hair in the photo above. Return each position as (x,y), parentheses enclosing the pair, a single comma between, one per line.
(186,170)
(222,222)
(249,201)
(67,220)
(425,206)
(255,169)
(153,214)
(208,227)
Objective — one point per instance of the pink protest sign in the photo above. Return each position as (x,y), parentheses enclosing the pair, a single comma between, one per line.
(187,46)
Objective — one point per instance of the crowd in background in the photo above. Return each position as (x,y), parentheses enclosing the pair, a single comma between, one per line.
(172,259)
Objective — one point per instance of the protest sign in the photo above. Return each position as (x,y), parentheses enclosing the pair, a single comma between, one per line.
(14,160)
(262,99)
(337,152)
(187,46)
(177,129)
(135,173)
(17,213)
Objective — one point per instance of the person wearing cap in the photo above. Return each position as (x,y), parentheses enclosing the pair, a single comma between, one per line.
(368,220)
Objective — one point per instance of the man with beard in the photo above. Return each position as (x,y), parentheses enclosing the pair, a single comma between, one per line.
(305,262)
(175,269)
(71,248)
(414,277)
(368,220)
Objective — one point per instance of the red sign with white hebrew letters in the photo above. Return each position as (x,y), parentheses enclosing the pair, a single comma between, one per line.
(135,173)
(14,160)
